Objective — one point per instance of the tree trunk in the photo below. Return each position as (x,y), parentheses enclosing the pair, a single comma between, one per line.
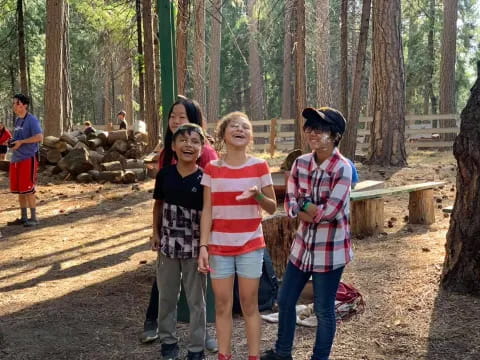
(447,64)
(344,58)
(107,105)
(67,89)
(127,84)
(22,62)
(461,269)
(151,115)
(300,77)
(182,27)
(53,68)
(430,99)
(349,143)
(254,66)
(214,79)
(388,128)
(322,59)
(199,58)
(287,61)
(141,83)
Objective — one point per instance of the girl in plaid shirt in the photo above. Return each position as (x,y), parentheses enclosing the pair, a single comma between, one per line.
(318,192)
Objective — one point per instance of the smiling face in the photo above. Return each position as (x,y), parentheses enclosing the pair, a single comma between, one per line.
(177,117)
(238,132)
(320,141)
(187,147)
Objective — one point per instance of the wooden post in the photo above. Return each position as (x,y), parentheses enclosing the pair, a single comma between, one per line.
(273,135)
(421,208)
(366,217)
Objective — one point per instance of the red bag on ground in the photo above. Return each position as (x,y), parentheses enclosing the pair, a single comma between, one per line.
(348,302)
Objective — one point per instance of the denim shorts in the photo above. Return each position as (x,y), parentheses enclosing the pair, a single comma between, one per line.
(248,265)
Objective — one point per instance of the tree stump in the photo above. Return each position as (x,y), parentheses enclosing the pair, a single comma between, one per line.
(461,269)
(421,209)
(366,217)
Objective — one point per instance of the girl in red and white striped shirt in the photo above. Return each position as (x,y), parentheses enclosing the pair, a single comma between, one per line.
(236,189)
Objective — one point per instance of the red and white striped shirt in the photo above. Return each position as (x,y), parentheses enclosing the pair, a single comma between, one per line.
(236,225)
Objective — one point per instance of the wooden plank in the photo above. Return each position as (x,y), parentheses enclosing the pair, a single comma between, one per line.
(448,209)
(454,130)
(429,144)
(369,185)
(372,194)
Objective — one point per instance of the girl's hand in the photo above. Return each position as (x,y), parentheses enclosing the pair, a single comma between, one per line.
(203,265)
(303,216)
(247,194)
(155,242)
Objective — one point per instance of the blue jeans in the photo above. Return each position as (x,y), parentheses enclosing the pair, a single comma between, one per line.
(325,287)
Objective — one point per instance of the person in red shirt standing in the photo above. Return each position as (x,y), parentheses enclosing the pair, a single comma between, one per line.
(5,135)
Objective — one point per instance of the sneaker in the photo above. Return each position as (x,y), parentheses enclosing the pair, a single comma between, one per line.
(272,355)
(195,355)
(170,351)
(17,222)
(30,223)
(211,344)
(149,332)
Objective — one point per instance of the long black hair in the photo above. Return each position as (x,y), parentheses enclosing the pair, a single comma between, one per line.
(194,115)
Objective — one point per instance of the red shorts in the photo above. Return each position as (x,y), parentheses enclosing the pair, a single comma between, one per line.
(23,176)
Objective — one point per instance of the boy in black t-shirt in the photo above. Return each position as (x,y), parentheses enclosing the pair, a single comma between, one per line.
(176,235)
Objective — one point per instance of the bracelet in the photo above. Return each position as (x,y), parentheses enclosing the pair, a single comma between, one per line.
(203,245)
(305,205)
(259,196)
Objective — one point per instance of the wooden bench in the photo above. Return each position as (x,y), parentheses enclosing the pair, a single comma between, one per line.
(369,185)
(366,210)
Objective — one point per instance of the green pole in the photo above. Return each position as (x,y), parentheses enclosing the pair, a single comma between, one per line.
(168,63)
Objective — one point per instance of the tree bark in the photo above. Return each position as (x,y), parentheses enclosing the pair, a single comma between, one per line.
(254,66)
(447,64)
(127,83)
(461,269)
(300,77)
(53,68)
(141,83)
(322,58)
(199,58)
(22,62)
(107,105)
(344,58)
(150,101)
(287,61)
(349,143)
(67,102)
(182,27)
(388,128)
(214,79)
(430,99)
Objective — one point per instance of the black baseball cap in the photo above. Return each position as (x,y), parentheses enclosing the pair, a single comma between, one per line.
(324,116)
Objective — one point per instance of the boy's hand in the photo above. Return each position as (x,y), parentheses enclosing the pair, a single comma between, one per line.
(311,210)
(155,242)
(203,265)
(303,216)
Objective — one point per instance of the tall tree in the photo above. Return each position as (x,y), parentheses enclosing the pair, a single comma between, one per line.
(322,58)
(447,63)
(53,68)
(430,101)
(22,62)
(254,66)
(215,48)
(127,84)
(388,128)
(349,143)
(461,268)
(300,77)
(141,72)
(151,114)
(287,61)
(182,27)
(66,86)
(344,58)
(199,57)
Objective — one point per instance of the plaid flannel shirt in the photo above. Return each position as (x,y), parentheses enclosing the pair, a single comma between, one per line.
(324,245)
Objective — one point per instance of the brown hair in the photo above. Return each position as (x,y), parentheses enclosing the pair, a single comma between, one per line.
(222,126)
(87,123)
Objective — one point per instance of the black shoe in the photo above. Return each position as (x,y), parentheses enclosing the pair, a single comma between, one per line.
(170,351)
(272,355)
(17,222)
(30,223)
(149,331)
(196,355)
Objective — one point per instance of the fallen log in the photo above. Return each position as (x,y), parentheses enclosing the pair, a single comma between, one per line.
(76,162)
(129,177)
(84,178)
(111,166)
(140,174)
(94,143)
(51,141)
(112,176)
(134,164)
(119,145)
(114,156)
(4,165)
(117,135)
(53,156)
(69,139)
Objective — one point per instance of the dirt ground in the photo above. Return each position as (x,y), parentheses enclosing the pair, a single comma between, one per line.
(77,286)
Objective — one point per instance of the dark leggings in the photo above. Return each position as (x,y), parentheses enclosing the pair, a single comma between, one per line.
(152,311)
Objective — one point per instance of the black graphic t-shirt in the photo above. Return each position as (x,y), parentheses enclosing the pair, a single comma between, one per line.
(182,207)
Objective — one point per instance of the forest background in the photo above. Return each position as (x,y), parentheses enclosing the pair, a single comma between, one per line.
(231,55)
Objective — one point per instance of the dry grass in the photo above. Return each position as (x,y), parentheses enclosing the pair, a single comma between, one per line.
(77,286)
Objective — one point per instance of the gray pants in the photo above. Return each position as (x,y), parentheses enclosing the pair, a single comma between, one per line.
(170,272)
